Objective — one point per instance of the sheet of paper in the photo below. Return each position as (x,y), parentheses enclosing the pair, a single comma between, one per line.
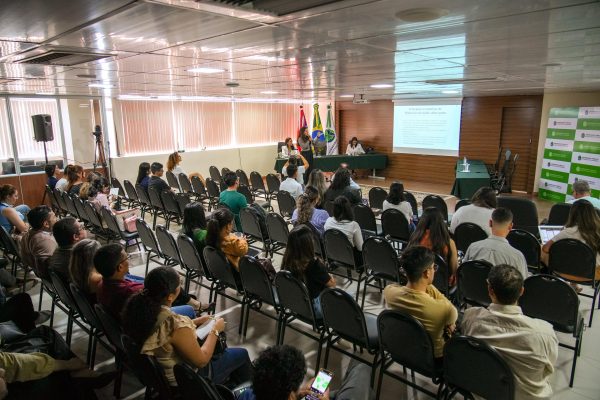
(114,191)
(203,330)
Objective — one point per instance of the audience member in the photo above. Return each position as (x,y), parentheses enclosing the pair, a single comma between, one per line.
(143,176)
(219,236)
(341,187)
(288,147)
(353,185)
(125,217)
(396,199)
(52,172)
(479,212)
(354,148)
(19,309)
(316,179)
(63,182)
(75,177)
(582,191)
(117,285)
(305,145)
(81,268)
(172,339)
(194,225)
(421,299)
(496,248)
(174,165)
(280,370)
(291,184)
(582,224)
(90,180)
(38,244)
(301,169)
(343,220)
(12,217)
(300,259)
(306,210)
(156,181)
(67,231)
(528,345)
(432,232)
(234,200)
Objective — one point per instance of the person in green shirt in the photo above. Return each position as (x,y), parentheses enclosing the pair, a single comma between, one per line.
(194,224)
(232,199)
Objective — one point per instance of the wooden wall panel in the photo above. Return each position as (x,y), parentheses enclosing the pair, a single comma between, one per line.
(481,125)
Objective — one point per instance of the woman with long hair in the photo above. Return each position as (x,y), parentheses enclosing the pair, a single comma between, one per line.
(143,174)
(194,224)
(306,211)
(82,270)
(354,147)
(582,224)
(341,187)
(343,220)
(125,217)
(12,217)
(397,200)
(75,178)
(305,143)
(479,212)
(174,165)
(432,232)
(171,338)
(219,236)
(299,258)
(317,180)
(288,147)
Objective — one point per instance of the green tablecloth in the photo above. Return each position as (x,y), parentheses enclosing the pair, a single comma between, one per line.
(467,183)
(331,163)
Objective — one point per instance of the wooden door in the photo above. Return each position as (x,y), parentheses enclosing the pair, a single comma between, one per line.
(518,125)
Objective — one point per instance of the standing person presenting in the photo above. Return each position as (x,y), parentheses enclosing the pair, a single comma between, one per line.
(305,144)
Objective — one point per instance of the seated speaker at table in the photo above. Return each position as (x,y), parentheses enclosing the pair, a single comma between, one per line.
(354,148)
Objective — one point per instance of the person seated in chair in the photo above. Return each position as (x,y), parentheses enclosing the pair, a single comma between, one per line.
(38,244)
(307,212)
(341,187)
(528,345)
(280,370)
(478,212)
(421,299)
(13,217)
(290,184)
(156,181)
(582,191)
(52,172)
(343,220)
(496,248)
(301,169)
(233,199)
(67,232)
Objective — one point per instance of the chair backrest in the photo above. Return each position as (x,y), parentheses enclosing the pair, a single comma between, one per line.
(525,215)
(193,386)
(286,203)
(81,210)
(130,190)
(84,306)
(111,221)
(328,206)
(561,259)
(212,188)
(154,196)
(182,199)
(294,298)
(407,342)
(147,236)
(365,217)
(114,182)
(146,368)
(559,213)
(219,267)
(189,254)
(214,173)
(257,181)
(255,280)
(9,245)
(377,196)
(63,291)
(185,184)
(241,174)
(169,202)
(59,199)
(342,314)
(70,205)
(93,215)
(273,183)
(440,279)
(551,299)
(527,244)
(435,201)
(474,366)
(472,282)
(142,195)
(167,244)
(413,202)
(467,233)
(251,224)
(245,190)
(277,228)
(110,326)
(395,224)
(380,257)
(461,203)
(224,170)
(198,186)
(338,248)
(172,180)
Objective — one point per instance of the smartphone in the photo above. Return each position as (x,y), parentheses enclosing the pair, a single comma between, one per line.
(321,383)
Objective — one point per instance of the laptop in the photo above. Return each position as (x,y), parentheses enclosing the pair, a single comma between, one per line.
(547,232)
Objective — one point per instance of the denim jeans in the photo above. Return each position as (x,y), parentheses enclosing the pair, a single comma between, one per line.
(134,278)
(23,209)
(234,363)
(186,310)
(317,308)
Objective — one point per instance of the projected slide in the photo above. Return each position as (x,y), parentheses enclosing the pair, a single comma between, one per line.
(427,128)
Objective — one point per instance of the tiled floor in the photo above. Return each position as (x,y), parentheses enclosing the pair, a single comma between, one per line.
(261,333)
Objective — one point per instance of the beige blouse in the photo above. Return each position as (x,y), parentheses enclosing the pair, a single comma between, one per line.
(159,343)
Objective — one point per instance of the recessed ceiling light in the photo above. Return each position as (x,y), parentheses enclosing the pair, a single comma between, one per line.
(269,92)
(421,14)
(100,85)
(206,70)
(381,86)
(552,64)
(86,76)
(450,91)
(346,95)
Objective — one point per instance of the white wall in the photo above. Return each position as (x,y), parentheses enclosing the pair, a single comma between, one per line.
(562,99)
(261,159)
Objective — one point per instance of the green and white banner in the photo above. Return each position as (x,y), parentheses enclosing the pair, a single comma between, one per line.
(572,152)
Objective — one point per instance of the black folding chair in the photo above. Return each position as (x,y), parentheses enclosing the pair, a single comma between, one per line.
(213,191)
(130,238)
(442,275)
(377,196)
(527,244)
(132,195)
(200,191)
(243,177)
(404,340)
(395,226)
(365,217)
(95,220)
(185,184)
(12,254)
(172,210)
(341,253)
(472,283)
(381,264)
(254,230)
(467,233)
(149,242)
(273,183)
(286,204)
(243,189)
(559,213)
(214,173)
(168,246)
(553,300)
(172,180)
(193,386)
(525,214)
(193,264)
(413,203)
(461,203)
(435,201)
(145,204)
(258,185)
(278,232)
(113,332)
(158,209)
(66,298)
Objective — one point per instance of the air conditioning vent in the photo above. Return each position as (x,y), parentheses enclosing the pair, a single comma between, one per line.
(53,55)
(276,7)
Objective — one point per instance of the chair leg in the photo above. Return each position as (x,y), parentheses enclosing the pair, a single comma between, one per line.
(147,262)
(358,286)
(93,355)
(575,351)
(380,380)
(362,304)
(69,328)
(52,307)
(374,369)
(327,346)
(242,318)
(319,351)
(246,320)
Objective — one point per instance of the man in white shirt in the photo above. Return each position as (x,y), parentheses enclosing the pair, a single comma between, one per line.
(528,345)
(291,184)
(582,191)
(496,248)
(301,168)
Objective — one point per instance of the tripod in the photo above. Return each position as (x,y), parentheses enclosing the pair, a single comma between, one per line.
(99,156)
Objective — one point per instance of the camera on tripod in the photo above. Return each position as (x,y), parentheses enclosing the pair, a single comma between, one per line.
(97,132)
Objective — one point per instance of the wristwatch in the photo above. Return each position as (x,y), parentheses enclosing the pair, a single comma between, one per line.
(215,332)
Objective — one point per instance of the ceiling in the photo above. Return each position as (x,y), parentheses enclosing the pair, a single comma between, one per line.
(478,48)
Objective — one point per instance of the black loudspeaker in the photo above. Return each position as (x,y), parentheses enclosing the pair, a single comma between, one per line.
(42,128)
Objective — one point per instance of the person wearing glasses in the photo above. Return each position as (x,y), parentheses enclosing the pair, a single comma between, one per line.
(67,232)
(421,299)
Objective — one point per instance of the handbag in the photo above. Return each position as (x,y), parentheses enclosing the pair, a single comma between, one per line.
(220,345)
(267,265)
